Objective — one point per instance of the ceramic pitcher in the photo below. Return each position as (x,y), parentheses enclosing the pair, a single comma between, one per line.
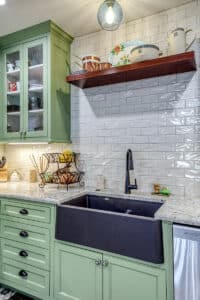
(177,41)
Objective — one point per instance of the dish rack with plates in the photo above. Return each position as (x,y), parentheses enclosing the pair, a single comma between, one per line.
(59,168)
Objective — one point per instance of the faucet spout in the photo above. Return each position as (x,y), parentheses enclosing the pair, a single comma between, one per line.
(129,166)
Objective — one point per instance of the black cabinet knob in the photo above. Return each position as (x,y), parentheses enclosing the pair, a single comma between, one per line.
(23,274)
(23,211)
(23,253)
(23,234)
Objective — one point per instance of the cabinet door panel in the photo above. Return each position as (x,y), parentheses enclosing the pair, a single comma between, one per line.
(13,92)
(35,88)
(26,278)
(77,276)
(24,233)
(132,281)
(26,254)
(26,211)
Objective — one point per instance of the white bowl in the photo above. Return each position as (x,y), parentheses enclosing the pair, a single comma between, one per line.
(144,52)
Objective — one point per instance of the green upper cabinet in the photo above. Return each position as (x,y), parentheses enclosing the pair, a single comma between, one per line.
(36,98)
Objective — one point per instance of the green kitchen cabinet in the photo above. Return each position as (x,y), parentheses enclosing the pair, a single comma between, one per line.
(86,275)
(132,281)
(27,230)
(35,96)
(78,274)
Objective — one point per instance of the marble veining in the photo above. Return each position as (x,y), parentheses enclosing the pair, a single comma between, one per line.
(180,211)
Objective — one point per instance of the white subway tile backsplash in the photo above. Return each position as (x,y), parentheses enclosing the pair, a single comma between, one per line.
(158,118)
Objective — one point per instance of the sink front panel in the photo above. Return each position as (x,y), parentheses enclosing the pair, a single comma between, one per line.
(124,234)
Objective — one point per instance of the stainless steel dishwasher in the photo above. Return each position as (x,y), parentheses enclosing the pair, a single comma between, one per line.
(186,262)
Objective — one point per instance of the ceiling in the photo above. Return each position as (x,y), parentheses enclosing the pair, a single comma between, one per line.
(78,17)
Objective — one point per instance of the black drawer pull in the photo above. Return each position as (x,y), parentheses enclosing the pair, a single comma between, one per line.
(23,274)
(23,234)
(23,253)
(23,211)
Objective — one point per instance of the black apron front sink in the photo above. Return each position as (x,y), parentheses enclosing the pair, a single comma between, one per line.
(122,226)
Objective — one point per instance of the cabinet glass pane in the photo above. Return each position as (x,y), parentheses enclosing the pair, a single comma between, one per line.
(13,91)
(35,88)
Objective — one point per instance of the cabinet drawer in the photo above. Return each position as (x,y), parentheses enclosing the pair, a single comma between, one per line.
(37,257)
(25,278)
(25,210)
(26,234)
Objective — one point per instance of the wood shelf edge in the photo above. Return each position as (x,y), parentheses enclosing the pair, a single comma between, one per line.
(167,65)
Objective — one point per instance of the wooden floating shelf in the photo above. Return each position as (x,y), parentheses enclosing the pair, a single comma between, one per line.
(173,64)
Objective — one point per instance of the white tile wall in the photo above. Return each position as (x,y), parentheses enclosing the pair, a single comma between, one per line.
(159,118)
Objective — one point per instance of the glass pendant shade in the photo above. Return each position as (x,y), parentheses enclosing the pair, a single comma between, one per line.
(110,15)
(2,2)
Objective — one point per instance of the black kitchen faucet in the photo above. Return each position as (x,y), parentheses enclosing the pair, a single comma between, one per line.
(129,166)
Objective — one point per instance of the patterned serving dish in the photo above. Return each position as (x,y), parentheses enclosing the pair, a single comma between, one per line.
(120,54)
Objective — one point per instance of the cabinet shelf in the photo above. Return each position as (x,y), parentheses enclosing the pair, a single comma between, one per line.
(35,89)
(13,93)
(14,73)
(173,64)
(36,111)
(36,72)
(13,113)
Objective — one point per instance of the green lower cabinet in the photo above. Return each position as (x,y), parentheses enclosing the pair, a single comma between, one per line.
(132,281)
(23,253)
(78,274)
(25,278)
(86,275)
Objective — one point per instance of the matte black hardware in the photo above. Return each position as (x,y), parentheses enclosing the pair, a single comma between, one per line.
(23,211)
(129,166)
(23,274)
(98,262)
(23,253)
(23,234)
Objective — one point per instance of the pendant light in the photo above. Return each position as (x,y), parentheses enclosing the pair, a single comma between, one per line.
(110,15)
(2,2)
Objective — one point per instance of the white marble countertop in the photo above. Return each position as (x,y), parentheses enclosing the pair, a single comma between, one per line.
(173,210)
(32,192)
(180,211)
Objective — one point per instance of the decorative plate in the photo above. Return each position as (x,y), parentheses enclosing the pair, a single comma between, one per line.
(119,55)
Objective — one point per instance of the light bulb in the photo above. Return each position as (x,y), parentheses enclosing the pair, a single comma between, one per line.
(110,16)
(2,2)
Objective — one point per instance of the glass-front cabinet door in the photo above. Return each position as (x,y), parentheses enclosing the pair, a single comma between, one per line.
(35,88)
(13,91)
(25,90)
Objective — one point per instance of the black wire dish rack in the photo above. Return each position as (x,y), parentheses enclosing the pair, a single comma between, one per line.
(59,168)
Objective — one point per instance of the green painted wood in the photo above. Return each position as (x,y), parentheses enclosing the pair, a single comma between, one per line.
(77,277)
(35,212)
(126,280)
(57,92)
(36,283)
(4,86)
(37,236)
(168,254)
(40,260)
(43,133)
(36,257)
(1,98)
(31,33)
